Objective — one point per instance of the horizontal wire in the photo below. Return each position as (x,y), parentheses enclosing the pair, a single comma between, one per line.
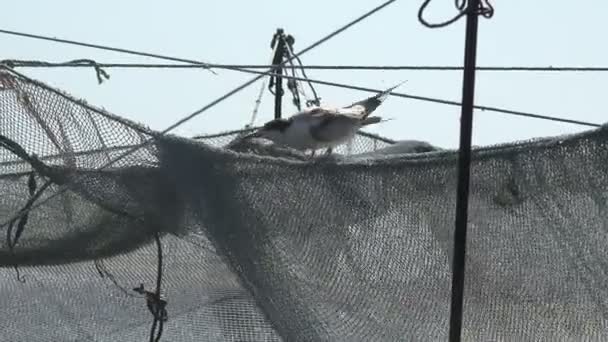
(40,64)
(108,48)
(346,86)
(334,84)
(268,73)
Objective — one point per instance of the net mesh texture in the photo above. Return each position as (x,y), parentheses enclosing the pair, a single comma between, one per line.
(272,247)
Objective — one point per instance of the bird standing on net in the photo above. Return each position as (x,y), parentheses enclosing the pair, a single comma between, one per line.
(322,127)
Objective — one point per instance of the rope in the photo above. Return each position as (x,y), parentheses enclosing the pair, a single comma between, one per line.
(292,84)
(285,43)
(100,73)
(317,100)
(39,64)
(22,217)
(155,303)
(484,9)
(105,273)
(161,318)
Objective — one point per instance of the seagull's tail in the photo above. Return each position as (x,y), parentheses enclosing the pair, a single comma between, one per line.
(370,104)
(373,120)
(383,95)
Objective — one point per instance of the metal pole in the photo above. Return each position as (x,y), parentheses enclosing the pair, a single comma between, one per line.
(277,62)
(464,165)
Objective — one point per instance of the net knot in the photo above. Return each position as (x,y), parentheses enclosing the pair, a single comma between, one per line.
(156,305)
(99,72)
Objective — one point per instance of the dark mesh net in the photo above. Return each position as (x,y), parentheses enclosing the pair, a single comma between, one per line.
(271,247)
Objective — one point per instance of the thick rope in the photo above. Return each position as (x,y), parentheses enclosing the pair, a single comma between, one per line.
(100,73)
(156,305)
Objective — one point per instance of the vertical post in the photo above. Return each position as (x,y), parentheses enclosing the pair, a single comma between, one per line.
(277,60)
(464,165)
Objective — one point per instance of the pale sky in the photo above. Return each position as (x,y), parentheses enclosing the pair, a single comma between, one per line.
(521,33)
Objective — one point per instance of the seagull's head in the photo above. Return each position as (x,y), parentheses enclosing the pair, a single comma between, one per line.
(273,130)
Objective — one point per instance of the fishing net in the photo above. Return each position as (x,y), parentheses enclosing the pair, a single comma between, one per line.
(270,246)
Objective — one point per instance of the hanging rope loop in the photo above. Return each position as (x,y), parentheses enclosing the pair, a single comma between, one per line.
(485,9)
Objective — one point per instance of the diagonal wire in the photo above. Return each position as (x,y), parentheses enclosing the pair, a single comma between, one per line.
(430,99)
(347,86)
(146,54)
(218,100)
(269,71)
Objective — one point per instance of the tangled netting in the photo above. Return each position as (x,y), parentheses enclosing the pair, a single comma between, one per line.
(270,247)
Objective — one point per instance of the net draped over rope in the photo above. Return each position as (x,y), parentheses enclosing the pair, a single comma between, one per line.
(275,248)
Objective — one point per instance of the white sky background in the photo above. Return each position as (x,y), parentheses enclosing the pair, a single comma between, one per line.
(521,33)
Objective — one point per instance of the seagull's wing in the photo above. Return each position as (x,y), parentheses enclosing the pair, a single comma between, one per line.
(320,111)
(327,123)
(355,112)
(332,124)
(322,115)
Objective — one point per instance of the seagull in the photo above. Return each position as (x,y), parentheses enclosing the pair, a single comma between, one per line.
(321,127)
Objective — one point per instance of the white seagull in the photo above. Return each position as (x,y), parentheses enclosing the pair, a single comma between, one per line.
(322,127)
